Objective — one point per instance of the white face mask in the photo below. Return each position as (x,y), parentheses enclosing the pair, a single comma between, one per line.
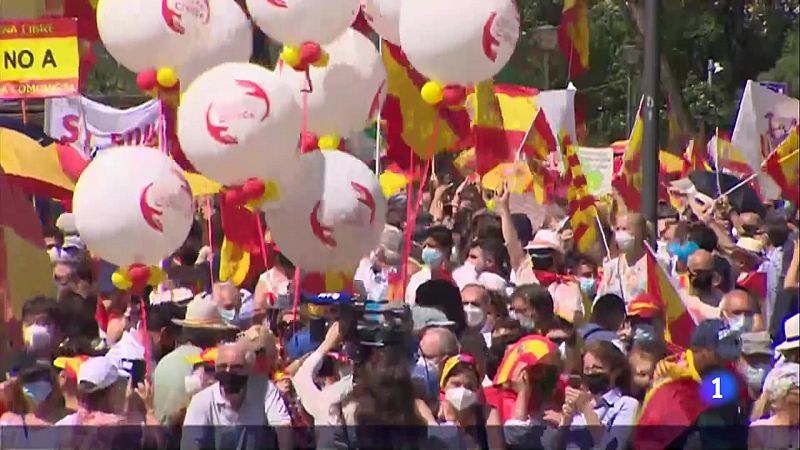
(475,316)
(36,337)
(625,240)
(461,398)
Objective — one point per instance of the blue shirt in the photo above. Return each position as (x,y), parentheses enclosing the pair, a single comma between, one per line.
(617,414)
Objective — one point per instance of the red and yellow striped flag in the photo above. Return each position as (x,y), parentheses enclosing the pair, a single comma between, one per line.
(695,158)
(628,181)
(539,144)
(491,142)
(582,211)
(679,324)
(573,35)
(24,265)
(409,121)
(783,165)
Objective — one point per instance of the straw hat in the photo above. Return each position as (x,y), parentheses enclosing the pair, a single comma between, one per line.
(202,313)
(791,329)
(750,246)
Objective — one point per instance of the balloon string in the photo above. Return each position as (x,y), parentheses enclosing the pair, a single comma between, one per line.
(296,298)
(411,219)
(162,143)
(261,240)
(210,244)
(309,87)
(145,338)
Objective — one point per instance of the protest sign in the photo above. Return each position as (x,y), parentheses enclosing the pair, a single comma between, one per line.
(598,167)
(39,58)
(93,126)
(765,119)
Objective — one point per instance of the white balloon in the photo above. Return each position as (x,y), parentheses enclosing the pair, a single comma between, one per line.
(384,17)
(459,41)
(239,121)
(334,214)
(230,39)
(294,22)
(132,205)
(145,34)
(347,93)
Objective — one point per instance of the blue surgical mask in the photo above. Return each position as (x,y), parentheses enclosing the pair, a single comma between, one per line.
(743,323)
(426,370)
(755,376)
(682,252)
(526,322)
(228,315)
(431,256)
(37,391)
(588,286)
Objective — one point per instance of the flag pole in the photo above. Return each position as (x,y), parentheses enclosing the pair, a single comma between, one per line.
(753,175)
(652,103)
(378,123)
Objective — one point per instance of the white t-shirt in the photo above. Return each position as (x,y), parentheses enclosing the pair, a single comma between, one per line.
(415,282)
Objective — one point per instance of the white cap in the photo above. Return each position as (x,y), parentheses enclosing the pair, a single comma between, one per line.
(66,223)
(99,371)
(546,239)
(492,282)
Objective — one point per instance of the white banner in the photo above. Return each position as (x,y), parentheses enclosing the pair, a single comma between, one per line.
(559,108)
(92,126)
(598,167)
(765,119)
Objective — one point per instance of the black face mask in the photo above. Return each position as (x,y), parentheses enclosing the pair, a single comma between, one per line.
(597,383)
(231,382)
(542,262)
(703,281)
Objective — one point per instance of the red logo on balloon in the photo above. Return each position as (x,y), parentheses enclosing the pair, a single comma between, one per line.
(489,41)
(322,232)
(277,3)
(233,111)
(174,10)
(365,198)
(151,215)
(152,208)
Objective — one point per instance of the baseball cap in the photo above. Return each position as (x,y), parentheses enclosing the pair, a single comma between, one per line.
(427,316)
(99,371)
(757,343)
(716,335)
(66,223)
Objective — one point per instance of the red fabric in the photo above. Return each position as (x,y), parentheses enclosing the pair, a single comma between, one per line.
(87,18)
(547,278)
(72,161)
(677,403)
(755,283)
(504,399)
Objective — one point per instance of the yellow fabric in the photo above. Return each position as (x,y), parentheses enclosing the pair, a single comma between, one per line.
(392,182)
(234,263)
(201,185)
(518,175)
(28,271)
(23,157)
(584,218)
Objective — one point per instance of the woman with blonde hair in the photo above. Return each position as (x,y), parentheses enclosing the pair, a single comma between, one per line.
(781,401)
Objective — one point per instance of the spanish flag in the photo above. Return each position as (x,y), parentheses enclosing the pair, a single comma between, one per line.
(628,182)
(24,265)
(582,210)
(696,158)
(679,324)
(783,165)
(573,35)
(492,146)
(409,121)
(36,169)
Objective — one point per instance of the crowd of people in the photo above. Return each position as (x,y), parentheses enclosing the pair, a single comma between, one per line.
(503,336)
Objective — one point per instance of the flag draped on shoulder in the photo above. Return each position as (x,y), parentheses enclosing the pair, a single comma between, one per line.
(628,182)
(783,166)
(409,120)
(573,35)
(582,210)
(679,324)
